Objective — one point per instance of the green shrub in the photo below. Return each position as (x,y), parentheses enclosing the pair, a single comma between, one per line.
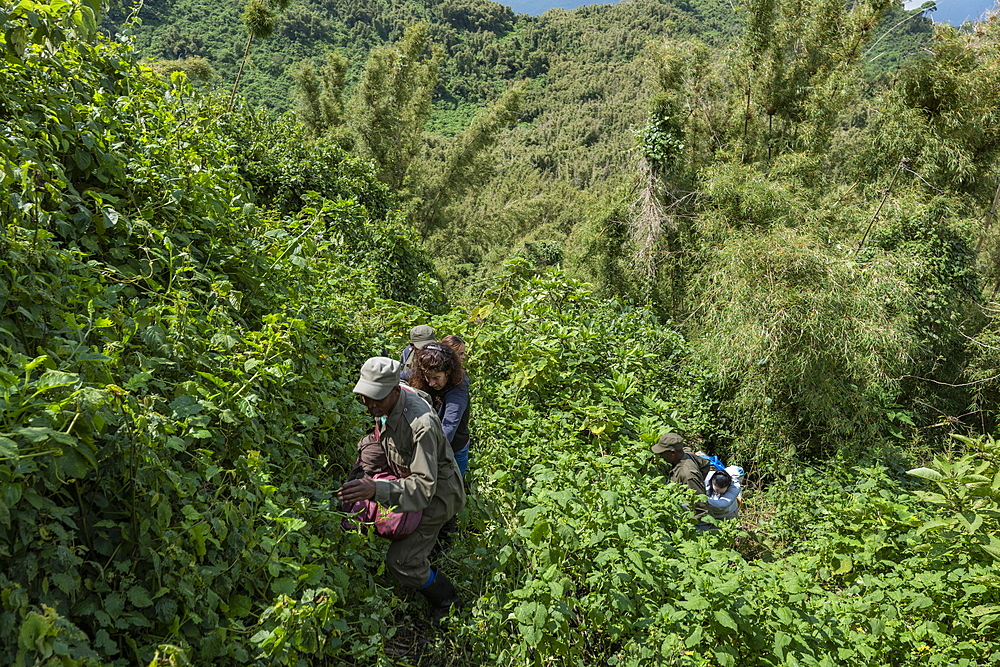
(176,368)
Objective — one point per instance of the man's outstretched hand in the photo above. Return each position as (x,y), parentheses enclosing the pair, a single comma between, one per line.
(357,489)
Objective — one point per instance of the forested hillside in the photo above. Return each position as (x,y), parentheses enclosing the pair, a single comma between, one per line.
(572,155)
(794,269)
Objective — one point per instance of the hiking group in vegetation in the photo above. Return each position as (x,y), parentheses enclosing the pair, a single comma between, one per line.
(703,474)
(795,268)
(427,479)
(416,455)
(402,459)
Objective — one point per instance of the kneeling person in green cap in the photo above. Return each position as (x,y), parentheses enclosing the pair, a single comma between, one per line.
(409,432)
(687,468)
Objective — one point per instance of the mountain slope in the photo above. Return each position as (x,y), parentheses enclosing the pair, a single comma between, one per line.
(571,154)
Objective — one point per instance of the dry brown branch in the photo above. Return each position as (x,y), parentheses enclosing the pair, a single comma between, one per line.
(648,222)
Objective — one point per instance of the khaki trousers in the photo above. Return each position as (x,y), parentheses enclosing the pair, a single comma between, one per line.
(408,559)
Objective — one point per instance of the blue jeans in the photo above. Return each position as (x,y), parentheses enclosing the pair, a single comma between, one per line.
(462,459)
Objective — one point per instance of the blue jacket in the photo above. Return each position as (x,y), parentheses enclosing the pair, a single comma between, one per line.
(452,406)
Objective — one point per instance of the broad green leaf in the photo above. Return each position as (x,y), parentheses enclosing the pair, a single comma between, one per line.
(261,636)
(926,473)
(114,604)
(987,620)
(53,379)
(8,449)
(239,606)
(541,615)
(139,597)
(37,361)
(540,532)
(173,442)
(293,524)
(695,602)
(87,21)
(970,520)
(532,634)
(67,583)
(185,406)
(975,479)
(33,632)
(725,619)
(72,465)
(524,613)
(226,340)
(625,532)
(784,615)
(11,493)
(934,524)
(37,434)
(843,565)
(82,159)
(725,655)
(138,380)
(199,535)
(781,640)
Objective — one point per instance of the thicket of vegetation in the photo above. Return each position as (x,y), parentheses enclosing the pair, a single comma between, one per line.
(823,243)
(798,278)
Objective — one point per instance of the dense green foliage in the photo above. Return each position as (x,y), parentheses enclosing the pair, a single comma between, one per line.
(176,361)
(188,293)
(821,240)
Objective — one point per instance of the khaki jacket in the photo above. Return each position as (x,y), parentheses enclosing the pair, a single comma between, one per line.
(691,471)
(421,457)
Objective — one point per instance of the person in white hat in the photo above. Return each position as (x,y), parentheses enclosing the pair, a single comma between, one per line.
(410,433)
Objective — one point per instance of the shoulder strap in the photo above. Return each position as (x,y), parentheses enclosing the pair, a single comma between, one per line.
(713,461)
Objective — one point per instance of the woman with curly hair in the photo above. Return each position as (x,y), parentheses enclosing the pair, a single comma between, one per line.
(439,372)
(457,345)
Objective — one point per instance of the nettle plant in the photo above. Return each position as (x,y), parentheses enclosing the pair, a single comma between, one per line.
(968,497)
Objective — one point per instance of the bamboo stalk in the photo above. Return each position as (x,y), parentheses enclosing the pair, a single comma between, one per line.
(239,73)
(888,191)
(990,215)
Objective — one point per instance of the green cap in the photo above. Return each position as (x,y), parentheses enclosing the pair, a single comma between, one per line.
(378,377)
(420,335)
(667,442)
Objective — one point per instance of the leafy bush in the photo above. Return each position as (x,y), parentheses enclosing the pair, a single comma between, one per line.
(809,349)
(176,373)
(576,552)
(176,366)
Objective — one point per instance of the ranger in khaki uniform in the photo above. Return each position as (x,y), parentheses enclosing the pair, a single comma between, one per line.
(687,468)
(429,480)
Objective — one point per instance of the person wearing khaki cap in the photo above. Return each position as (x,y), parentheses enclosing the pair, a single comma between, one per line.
(410,433)
(420,336)
(687,468)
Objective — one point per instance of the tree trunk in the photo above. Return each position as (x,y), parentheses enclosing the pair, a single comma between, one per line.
(246,54)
